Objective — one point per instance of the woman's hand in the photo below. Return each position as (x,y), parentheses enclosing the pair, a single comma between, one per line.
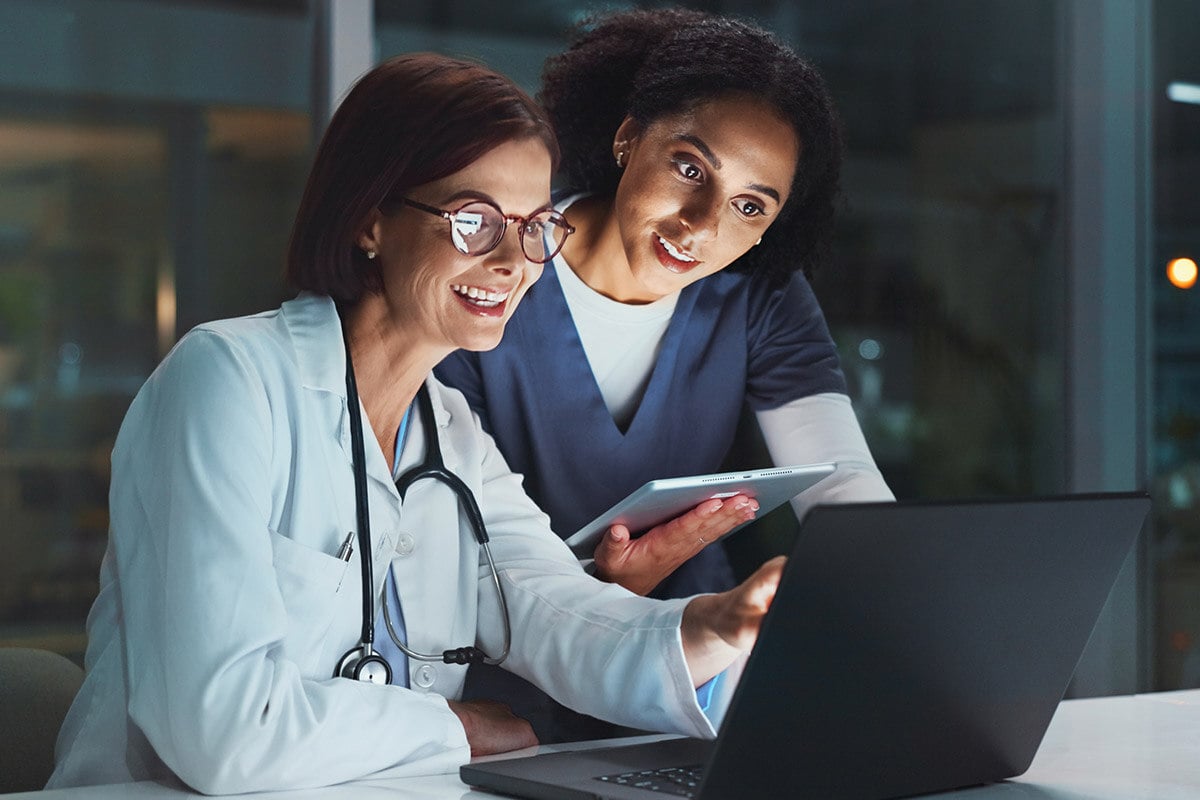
(717,628)
(492,727)
(641,564)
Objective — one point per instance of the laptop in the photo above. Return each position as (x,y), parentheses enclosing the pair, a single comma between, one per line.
(912,647)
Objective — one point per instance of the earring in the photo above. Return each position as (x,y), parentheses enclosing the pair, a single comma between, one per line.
(620,152)
(370,254)
(758,242)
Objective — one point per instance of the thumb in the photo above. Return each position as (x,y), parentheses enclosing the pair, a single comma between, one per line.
(762,585)
(614,539)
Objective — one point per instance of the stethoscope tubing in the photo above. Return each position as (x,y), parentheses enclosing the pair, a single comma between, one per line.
(433,467)
(361,509)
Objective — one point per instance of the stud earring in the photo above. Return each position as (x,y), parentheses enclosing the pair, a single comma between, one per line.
(759,241)
(370,254)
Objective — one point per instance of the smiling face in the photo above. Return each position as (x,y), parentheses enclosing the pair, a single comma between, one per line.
(439,297)
(699,190)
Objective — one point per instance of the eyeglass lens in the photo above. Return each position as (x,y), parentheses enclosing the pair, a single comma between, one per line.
(477,228)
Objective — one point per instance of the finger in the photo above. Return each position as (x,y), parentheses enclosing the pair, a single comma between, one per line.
(733,513)
(764,583)
(698,514)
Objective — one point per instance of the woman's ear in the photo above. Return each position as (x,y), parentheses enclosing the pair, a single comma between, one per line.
(367,238)
(623,139)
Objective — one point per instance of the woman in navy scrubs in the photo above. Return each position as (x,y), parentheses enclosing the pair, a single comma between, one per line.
(700,168)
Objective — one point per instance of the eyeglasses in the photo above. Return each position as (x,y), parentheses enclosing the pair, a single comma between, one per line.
(477,228)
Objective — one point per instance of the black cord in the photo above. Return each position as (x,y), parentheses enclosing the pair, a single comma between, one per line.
(357,452)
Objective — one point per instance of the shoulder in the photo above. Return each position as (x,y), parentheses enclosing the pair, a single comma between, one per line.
(754,288)
(299,341)
(252,344)
(773,303)
(230,361)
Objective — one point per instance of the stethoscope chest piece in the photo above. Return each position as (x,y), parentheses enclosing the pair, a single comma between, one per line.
(358,666)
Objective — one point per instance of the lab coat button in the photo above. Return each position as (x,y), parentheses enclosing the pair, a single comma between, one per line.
(405,544)
(425,676)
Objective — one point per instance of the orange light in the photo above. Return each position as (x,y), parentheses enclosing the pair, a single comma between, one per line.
(1182,273)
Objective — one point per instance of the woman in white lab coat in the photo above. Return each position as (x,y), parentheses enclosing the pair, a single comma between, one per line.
(230,623)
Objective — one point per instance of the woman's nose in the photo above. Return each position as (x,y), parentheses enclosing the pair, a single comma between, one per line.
(507,257)
(701,217)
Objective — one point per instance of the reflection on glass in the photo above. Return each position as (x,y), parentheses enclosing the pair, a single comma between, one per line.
(123,219)
(1176,370)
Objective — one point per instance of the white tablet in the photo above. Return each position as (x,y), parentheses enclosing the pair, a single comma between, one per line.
(662,500)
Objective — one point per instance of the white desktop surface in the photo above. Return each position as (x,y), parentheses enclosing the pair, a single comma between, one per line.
(1139,747)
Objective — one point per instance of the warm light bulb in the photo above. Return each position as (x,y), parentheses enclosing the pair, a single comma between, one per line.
(1182,273)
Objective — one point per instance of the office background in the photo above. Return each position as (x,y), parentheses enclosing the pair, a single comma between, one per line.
(1020,173)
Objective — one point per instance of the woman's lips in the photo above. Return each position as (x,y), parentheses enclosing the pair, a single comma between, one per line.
(483,302)
(672,257)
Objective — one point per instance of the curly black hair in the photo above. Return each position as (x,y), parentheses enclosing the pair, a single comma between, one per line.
(650,63)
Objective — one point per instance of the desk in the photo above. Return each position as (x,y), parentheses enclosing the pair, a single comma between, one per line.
(1139,747)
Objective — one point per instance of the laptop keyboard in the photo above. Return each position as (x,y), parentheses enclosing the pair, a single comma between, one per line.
(679,781)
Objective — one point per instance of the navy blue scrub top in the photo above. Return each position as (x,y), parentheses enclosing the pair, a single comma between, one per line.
(733,339)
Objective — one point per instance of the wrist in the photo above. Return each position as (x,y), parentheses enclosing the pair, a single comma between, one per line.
(707,652)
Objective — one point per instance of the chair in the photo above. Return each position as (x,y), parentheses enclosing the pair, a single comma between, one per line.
(36,689)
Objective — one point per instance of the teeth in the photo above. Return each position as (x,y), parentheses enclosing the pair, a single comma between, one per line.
(480,297)
(674,253)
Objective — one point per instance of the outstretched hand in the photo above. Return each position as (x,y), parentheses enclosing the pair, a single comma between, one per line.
(641,564)
(717,628)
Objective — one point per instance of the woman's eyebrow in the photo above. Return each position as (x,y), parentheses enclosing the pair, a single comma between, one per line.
(699,144)
(767,190)
(473,194)
(711,157)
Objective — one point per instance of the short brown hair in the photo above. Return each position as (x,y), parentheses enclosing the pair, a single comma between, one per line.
(413,119)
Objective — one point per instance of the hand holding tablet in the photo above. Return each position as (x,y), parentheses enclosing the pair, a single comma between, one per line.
(662,500)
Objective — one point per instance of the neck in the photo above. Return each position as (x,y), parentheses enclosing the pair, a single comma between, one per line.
(596,252)
(390,364)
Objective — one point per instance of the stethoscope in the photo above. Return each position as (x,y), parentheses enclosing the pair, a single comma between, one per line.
(362,662)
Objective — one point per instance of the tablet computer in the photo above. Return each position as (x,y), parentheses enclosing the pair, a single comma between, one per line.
(661,500)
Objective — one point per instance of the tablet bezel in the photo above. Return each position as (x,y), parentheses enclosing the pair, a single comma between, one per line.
(660,500)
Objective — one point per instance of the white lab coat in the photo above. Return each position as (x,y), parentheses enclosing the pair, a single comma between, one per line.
(223,608)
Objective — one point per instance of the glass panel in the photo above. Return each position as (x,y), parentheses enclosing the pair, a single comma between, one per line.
(78,272)
(1176,444)
(947,290)
(135,201)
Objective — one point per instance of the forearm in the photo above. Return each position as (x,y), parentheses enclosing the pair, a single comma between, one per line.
(821,428)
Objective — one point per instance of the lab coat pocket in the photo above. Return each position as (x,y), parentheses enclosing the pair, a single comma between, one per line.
(310,582)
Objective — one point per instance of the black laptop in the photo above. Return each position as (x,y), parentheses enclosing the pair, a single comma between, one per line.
(912,647)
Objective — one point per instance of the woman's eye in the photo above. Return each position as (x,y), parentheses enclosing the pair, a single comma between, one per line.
(688,170)
(750,208)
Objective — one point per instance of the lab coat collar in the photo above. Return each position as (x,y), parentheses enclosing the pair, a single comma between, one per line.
(316,332)
(313,324)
